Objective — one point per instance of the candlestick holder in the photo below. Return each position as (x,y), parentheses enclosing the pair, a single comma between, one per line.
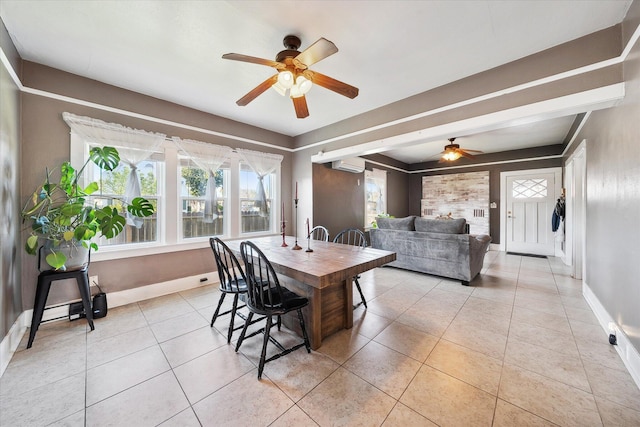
(284,244)
(296,247)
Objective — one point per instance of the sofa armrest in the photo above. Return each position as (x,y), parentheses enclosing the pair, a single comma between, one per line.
(480,241)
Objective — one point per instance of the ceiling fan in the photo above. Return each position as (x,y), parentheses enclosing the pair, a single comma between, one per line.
(294,74)
(454,152)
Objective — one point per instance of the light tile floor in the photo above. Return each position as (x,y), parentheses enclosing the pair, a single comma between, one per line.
(519,347)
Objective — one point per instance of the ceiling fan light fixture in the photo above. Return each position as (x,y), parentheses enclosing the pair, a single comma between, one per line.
(278,88)
(450,156)
(285,79)
(304,84)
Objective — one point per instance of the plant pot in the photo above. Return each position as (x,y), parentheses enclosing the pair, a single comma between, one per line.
(77,256)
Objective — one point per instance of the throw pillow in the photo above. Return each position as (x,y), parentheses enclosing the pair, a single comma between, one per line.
(452,226)
(405,224)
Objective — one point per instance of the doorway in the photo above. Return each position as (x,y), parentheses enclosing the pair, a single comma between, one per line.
(575,231)
(529,200)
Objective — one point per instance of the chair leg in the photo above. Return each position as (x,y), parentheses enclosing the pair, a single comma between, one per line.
(279,322)
(233,316)
(215,313)
(364,301)
(244,330)
(304,331)
(264,347)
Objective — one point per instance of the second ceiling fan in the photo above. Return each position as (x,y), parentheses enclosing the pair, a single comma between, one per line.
(454,152)
(294,74)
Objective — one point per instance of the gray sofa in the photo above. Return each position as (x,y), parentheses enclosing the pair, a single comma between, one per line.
(433,246)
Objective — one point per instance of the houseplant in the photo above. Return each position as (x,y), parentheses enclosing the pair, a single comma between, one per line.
(62,220)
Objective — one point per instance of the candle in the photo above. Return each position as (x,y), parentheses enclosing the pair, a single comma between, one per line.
(296,190)
(282,211)
(308,231)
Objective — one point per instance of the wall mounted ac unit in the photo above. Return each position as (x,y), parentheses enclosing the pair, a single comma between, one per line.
(354,165)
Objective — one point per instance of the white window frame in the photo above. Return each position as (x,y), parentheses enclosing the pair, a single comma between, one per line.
(169,234)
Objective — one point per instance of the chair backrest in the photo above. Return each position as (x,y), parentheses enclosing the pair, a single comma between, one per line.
(264,291)
(319,233)
(351,236)
(229,270)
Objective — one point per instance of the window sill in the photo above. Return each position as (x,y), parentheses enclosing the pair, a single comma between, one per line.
(112,253)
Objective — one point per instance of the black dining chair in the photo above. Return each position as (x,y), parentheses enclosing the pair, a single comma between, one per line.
(232,281)
(354,237)
(319,233)
(266,297)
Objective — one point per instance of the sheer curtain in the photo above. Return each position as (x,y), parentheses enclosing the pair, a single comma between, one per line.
(133,145)
(208,157)
(262,164)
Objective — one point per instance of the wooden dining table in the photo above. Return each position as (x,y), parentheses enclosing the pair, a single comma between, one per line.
(324,276)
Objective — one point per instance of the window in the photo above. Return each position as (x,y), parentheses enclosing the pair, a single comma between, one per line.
(529,188)
(256,200)
(202,210)
(113,185)
(199,190)
(375,195)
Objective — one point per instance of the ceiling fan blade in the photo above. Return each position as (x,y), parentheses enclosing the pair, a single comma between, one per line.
(331,84)
(465,154)
(253,60)
(258,90)
(315,53)
(300,104)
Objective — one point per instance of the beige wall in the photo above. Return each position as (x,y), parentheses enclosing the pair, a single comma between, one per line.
(45,138)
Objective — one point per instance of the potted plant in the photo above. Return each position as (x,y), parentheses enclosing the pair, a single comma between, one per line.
(62,220)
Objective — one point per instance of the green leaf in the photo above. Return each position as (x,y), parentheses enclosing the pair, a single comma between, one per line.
(71,209)
(111,222)
(140,207)
(67,178)
(105,157)
(31,245)
(35,208)
(85,232)
(91,188)
(56,259)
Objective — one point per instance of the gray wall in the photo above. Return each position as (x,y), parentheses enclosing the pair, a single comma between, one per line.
(613,202)
(415,181)
(10,289)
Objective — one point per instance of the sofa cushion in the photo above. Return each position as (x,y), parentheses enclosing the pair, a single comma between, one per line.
(451,226)
(405,224)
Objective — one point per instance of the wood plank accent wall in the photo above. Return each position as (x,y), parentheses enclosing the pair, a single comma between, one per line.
(464,195)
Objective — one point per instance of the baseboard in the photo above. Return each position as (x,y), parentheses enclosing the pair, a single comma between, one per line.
(11,341)
(628,353)
(115,299)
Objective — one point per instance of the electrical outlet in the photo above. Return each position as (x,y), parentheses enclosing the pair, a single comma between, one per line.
(93,281)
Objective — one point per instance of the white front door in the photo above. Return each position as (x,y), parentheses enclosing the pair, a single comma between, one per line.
(530,201)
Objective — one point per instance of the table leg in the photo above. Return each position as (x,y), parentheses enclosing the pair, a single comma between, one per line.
(348,304)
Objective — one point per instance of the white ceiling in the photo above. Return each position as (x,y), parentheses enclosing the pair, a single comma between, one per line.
(388,49)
